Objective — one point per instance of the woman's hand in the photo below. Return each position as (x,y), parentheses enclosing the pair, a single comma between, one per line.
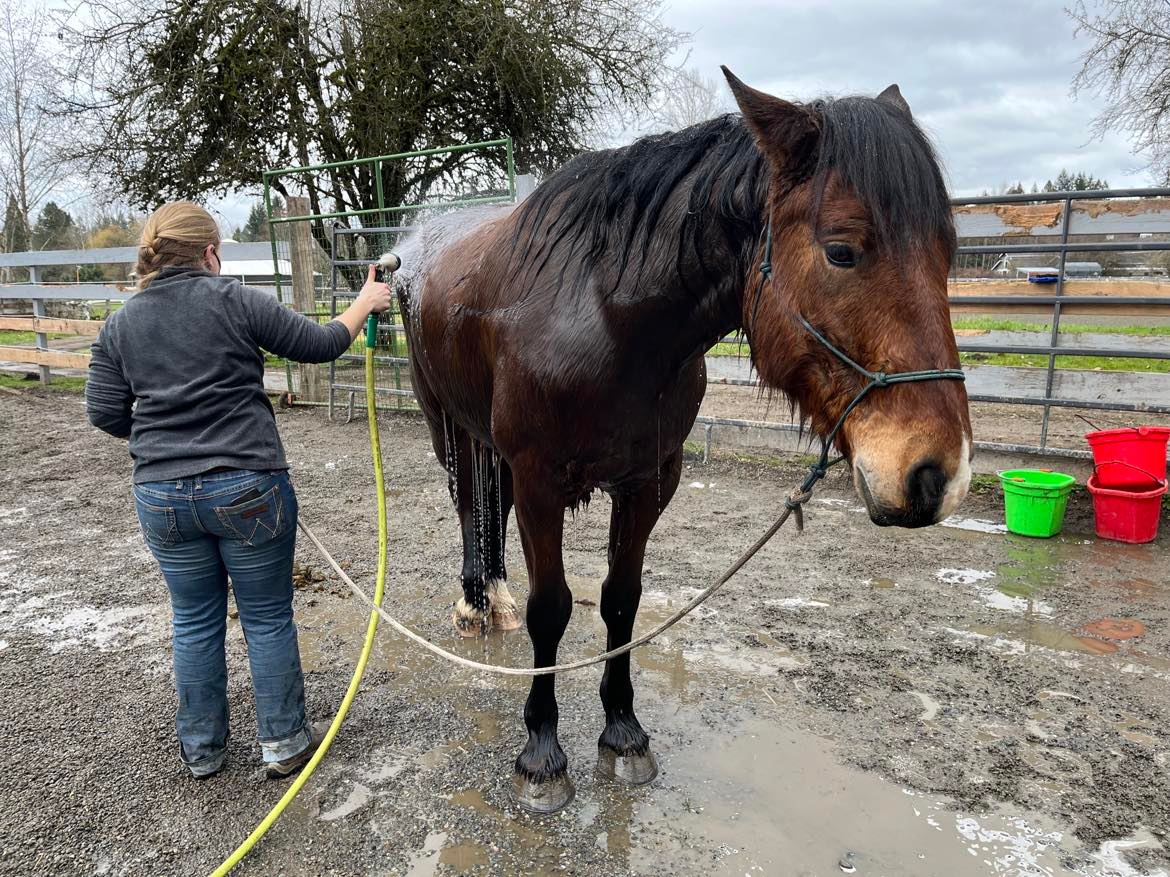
(375,297)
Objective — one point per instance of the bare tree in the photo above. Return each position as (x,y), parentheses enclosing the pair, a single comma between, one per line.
(30,165)
(1128,65)
(687,98)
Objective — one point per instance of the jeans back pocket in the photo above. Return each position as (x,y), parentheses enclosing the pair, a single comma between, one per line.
(159,525)
(256,520)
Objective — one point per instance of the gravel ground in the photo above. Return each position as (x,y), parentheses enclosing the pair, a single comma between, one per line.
(950,701)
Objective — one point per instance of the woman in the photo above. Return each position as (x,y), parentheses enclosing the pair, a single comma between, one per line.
(179,371)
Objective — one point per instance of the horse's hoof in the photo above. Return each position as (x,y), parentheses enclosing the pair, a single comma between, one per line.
(547,797)
(507,619)
(470,622)
(505,612)
(635,770)
(467,627)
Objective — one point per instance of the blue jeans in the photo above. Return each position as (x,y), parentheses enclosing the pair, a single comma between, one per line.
(202,530)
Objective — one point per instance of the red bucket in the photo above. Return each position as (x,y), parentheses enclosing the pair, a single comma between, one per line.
(1134,456)
(1126,515)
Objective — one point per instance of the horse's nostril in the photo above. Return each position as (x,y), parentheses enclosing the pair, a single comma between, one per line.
(924,490)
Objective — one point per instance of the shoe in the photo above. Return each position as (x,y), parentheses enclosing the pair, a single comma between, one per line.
(279,770)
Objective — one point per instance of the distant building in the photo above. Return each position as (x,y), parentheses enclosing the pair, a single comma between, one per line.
(1050,273)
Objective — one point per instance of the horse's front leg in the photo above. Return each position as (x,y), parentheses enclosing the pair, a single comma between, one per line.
(542,782)
(623,750)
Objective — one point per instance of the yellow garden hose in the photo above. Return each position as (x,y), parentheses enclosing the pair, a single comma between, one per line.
(371,629)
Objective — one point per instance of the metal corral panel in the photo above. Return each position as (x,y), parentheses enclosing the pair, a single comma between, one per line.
(1092,217)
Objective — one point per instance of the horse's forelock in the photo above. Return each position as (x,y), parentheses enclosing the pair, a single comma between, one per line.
(879,153)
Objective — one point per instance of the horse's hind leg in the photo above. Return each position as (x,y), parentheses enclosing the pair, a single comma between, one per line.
(481,487)
(623,750)
(542,781)
(505,613)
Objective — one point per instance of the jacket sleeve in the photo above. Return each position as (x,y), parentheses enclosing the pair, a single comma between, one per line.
(286,333)
(108,398)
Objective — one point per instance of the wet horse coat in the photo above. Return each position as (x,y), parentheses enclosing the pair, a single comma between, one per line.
(557,349)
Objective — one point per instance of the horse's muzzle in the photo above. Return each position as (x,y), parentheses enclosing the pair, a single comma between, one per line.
(926,492)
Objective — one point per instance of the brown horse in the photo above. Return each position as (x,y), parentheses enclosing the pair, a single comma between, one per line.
(557,348)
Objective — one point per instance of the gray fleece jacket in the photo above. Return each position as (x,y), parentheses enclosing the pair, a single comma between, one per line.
(179,371)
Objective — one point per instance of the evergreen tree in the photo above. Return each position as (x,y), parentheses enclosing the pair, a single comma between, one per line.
(256,228)
(1078,182)
(54,230)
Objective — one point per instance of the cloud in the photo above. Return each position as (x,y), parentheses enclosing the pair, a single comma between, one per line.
(989,80)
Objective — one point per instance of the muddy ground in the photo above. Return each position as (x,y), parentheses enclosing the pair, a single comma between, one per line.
(950,701)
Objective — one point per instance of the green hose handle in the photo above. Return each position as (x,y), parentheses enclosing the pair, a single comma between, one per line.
(372,331)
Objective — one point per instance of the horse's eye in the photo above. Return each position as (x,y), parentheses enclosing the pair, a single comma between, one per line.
(841,255)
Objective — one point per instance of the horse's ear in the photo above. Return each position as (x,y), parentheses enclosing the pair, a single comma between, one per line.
(893,95)
(786,132)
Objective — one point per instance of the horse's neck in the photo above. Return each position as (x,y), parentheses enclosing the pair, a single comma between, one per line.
(714,302)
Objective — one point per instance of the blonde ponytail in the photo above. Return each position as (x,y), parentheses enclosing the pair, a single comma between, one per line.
(175,234)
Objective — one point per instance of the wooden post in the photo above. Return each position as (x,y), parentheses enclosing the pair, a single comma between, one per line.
(301,251)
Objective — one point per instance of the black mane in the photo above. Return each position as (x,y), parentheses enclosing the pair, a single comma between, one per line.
(608,205)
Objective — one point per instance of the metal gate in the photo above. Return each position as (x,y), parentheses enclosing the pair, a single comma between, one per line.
(319,260)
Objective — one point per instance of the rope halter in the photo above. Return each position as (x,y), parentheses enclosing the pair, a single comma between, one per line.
(876,379)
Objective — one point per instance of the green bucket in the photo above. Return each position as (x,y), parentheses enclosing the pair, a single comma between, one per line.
(1034,501)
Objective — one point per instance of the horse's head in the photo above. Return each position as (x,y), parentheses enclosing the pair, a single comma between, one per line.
(861,244)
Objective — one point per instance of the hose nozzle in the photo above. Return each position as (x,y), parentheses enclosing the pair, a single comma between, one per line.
(387,264)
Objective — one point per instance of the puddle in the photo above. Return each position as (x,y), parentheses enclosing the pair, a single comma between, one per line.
(964,576)
(930,706)
(797,603)
(973,525)
(1020,637)
(1030,568)
(1115,628)
(74,626)
(765,799)
(358,797)
(425,862)
(993,597)
(751,662)
(463,856)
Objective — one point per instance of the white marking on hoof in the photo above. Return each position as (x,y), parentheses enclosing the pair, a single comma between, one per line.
(505,612)
(469,621)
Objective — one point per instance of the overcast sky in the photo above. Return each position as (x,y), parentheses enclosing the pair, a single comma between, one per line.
(989,79)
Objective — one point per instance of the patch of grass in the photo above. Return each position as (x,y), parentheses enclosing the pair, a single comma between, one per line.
(996,324)
(1083,363)
(15,336)
(58,384)
(984,484)
(730,349)
(103,310)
